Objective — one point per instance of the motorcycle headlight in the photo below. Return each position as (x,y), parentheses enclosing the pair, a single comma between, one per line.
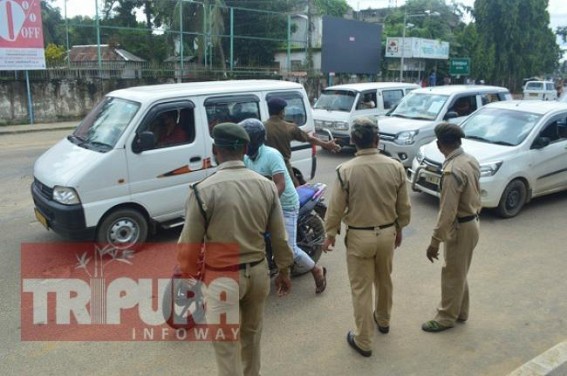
(65,195)
(489,169)
(406,138)
(341,125)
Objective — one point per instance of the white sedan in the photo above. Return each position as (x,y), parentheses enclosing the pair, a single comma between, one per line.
(522,150)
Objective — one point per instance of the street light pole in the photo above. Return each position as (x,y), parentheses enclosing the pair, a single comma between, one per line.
(403,46)
(406,16)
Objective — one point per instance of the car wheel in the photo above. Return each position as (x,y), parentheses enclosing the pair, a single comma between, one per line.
(123,229)
(513,199)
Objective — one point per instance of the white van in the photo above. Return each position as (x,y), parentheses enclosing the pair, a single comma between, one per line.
(117,178)
(542,90)
(339,105)
(412,123)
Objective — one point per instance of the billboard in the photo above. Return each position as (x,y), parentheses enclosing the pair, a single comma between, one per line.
(417,48)
(350,46)
(21,35)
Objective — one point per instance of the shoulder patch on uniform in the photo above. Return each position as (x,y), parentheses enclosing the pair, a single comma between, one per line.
(341,181)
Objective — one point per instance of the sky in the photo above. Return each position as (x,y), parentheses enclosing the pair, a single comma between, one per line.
(557,8)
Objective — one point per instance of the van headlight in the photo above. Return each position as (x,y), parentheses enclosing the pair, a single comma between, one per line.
(406,138)
(65,195)
(318,124)
(489,169)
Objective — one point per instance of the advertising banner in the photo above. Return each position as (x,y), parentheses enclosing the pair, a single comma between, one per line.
(417,48)
(21,35)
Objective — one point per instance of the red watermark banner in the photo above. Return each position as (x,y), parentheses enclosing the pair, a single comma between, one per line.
(87,292)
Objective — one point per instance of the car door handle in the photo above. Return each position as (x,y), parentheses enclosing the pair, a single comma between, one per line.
(195,160)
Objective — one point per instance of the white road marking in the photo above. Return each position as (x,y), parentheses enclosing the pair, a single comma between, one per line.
(544,363)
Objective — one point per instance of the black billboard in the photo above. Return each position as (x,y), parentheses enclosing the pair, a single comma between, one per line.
(350,46)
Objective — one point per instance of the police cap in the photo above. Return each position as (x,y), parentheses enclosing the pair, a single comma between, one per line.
(230,135)
(276,105)
(448,133)
(364,129)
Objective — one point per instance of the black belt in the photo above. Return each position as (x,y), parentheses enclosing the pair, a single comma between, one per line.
(233,268)
(467,218)
(372,228)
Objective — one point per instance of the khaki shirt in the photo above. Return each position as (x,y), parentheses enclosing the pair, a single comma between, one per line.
(280,133)
(460,193)
(240,206)
(370,190)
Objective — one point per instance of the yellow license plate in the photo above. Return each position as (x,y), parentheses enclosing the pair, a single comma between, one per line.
(41,219)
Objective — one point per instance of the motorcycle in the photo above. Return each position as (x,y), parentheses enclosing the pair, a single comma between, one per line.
(310,226)
(183,304)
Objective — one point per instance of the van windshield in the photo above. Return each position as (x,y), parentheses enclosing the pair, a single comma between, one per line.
(424,106)
(335,100)
(104,125)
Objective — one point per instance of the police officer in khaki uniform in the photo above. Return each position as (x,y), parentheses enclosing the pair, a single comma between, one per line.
(371,196)
(232,209)
(280,133)
(457,227)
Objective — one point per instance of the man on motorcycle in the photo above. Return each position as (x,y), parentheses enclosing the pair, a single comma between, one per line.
(280,133)
(269,162)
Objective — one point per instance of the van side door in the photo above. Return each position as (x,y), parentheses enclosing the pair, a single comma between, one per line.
(160,172)
(391,98)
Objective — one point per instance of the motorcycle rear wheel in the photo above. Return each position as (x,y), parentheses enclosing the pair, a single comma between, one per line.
(310,238)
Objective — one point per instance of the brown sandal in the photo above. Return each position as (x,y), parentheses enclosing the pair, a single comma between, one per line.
(321,284)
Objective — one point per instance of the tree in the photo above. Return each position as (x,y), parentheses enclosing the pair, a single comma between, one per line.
(562,32)
(517,36)
(336,8)
(55,55)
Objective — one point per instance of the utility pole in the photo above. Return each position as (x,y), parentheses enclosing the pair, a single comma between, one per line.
(309,56)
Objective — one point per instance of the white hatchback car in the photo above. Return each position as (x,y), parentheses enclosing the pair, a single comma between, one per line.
(522,150)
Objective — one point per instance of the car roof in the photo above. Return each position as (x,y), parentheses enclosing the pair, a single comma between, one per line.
(361,86)
(545,81)
(460,89)
(533,106)
(155,92)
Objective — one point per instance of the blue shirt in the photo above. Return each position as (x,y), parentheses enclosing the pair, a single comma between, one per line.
(268,163)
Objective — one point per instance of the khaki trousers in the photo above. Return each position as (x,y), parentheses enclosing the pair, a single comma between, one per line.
(238,358)
(458,251)
(369,262)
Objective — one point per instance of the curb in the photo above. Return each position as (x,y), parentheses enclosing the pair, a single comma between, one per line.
(546,363)
(14,130)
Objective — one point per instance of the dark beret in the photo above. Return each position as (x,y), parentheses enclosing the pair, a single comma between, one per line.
(448,133)
(364,128)
(230,135)
(276,105)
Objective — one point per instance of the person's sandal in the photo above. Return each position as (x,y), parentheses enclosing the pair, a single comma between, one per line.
(433,326)
(321,284)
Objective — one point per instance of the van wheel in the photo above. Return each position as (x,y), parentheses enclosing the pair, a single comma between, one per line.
(123,229)
(513,199)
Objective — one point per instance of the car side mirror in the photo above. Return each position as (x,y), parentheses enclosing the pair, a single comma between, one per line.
(144,141)
(540,142)
(451,115)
